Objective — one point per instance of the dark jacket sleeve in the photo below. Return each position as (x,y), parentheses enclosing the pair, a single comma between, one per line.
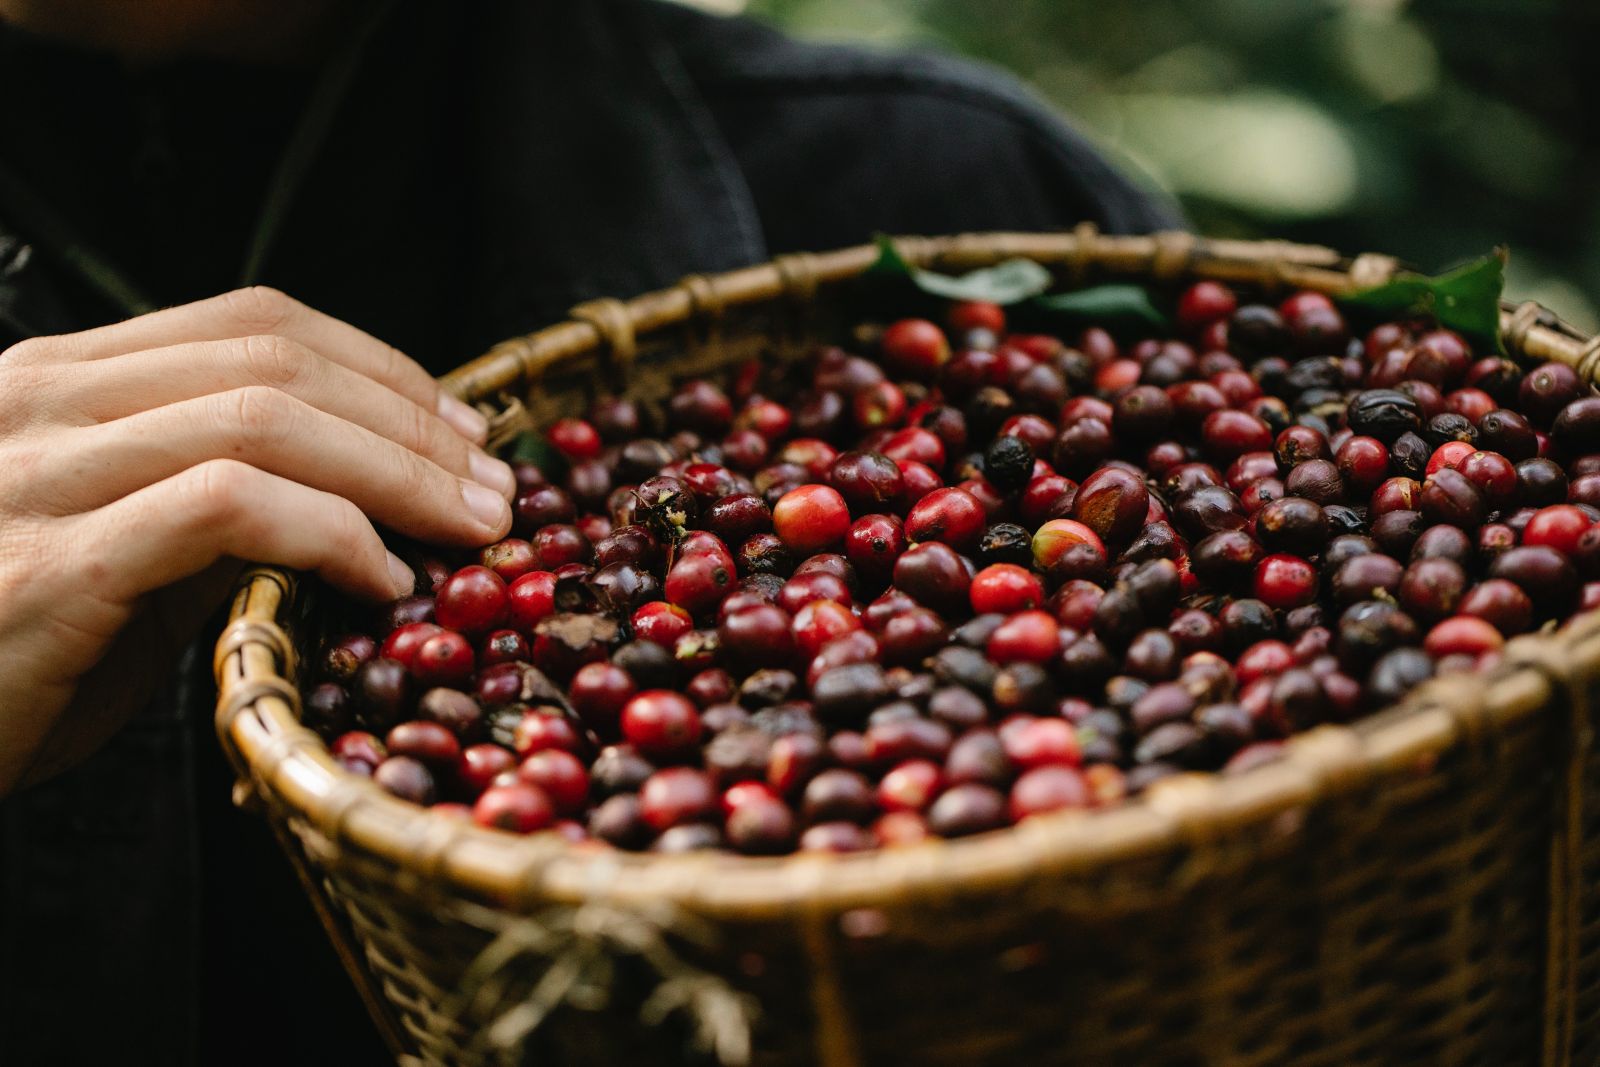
(839,142)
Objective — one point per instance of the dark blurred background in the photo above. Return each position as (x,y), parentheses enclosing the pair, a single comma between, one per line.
(1434,129)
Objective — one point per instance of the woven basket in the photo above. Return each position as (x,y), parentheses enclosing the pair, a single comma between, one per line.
(1420,887)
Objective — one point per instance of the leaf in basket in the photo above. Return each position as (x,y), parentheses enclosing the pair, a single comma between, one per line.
(1466,299)
(533,448)
(1008,282)
(1122,303)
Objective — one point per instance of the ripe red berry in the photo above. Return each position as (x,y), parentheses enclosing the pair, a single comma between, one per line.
(1052,540)
(560,775)
(1041,742)
(879,406)
(1494,475)
(510,558)
(819,622)
(1028,636)
(597,693)
(403,643)
(542,728)
(1005,588)
(1558,526)
(810,519)
(529,599)
(1227,434)
(916,347)
(698,582)
(677,796)
(472,600)
(1203,303)
(1462,635)
(574,438)
(952,516)
(968,315)
(660,722)
(445,658)
(910,786)
(518,807)
(480,765)
(1049,788)
(1449,454)
(1284,581)
(358,748)
(661,623)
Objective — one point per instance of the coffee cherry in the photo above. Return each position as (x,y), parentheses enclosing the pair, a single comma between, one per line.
(1292,524)
(1228,434)
(406,778)
(530,599)
(677,796)
(820,622)
(1558,526)
(915,347)
(1432,588)
(1285,581)
(560,776)
(1028,636)
(428,742)
(1448,496)
(1462,635)
(835,837)
(519,807)
(1113,503)
(811,518)
(1005,588)
(1543,573)
(951,516)
(1547,390)
(699,583)
(472,600)
(659,723)
(967,808)
(358,748)
(1203,303)
(480,765)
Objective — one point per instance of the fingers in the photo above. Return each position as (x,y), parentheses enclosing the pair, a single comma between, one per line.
(181,525)
(89,467)
(109,389)
(260,310)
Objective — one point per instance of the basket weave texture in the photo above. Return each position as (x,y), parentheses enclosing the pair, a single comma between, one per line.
(1419,887)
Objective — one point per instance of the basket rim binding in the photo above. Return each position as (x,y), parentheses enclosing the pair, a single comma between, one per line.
(284,765)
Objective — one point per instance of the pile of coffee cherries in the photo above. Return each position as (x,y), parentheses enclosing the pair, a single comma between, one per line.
(974,575)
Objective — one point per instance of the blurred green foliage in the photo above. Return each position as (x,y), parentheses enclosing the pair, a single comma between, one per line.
(1434,129)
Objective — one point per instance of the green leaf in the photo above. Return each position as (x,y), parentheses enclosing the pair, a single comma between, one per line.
(1008,282)
(1108,303)
(533,448)
(889,262)
(1466,299)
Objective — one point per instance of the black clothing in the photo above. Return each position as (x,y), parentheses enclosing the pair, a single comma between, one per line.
(489,166)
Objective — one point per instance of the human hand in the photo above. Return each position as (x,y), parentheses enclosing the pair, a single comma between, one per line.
(141,462)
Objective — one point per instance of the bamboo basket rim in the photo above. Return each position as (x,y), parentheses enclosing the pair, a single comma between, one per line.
(283,764)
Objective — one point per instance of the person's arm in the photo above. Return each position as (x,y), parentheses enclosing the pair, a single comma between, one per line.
(140,462)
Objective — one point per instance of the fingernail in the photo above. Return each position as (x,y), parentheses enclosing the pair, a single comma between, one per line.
(492,472)
(468,421)
(486,505)
(405,583)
